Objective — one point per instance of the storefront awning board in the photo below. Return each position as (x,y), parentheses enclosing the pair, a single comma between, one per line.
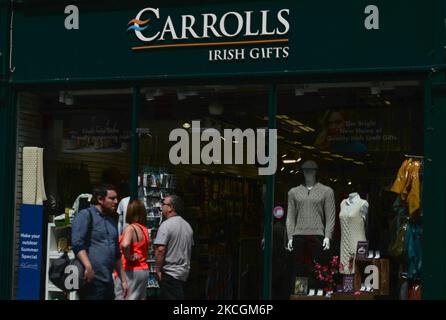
(292,37)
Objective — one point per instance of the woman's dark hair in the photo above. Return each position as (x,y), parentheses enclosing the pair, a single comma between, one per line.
(101,191)
(136,212)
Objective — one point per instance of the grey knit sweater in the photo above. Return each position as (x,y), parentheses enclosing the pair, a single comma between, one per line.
(311,212)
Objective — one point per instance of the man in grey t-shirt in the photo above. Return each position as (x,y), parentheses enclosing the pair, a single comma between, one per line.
(174,241)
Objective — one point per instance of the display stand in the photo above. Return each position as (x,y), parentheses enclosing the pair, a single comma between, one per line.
(57,242)
(156,184)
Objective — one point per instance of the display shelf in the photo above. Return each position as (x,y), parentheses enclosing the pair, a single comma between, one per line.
(55,248)
(155,184)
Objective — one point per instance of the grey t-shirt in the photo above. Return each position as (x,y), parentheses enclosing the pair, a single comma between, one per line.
(177,235)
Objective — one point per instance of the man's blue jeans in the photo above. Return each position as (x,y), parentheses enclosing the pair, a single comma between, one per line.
(97,290)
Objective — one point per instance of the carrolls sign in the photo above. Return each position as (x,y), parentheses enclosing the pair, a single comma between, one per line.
(237,33)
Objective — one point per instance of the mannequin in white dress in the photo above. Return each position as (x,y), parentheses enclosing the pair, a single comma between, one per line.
(353,218)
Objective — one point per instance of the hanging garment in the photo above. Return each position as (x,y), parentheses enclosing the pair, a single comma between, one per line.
(413,250)
(33,187)
(408,182)
(352,218)
(401,177)
(413,197)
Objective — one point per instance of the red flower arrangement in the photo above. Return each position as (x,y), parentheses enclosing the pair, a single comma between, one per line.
(326,273)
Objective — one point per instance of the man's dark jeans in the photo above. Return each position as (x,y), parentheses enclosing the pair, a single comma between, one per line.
(171,288)
(97,290)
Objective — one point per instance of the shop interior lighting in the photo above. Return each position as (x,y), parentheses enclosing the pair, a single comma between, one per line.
(149,96)
(387,102)
(69,99)
(288,161)
(186,125)
(291,171)
(283,168)
(284,155)
(349,183)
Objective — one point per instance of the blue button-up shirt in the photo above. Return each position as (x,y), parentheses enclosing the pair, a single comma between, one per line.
(103,248)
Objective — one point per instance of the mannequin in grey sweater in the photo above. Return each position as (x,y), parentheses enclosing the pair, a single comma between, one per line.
(310,218)
(307,211)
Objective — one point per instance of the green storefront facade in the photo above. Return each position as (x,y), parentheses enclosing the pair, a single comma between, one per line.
(272,42)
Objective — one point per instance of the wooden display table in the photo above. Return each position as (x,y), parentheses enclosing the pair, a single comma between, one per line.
(351,296)
(336,296)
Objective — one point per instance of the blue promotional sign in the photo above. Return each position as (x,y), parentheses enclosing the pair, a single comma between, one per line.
(30,252)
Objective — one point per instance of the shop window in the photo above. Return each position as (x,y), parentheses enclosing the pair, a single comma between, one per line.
(224,199)
(363,144)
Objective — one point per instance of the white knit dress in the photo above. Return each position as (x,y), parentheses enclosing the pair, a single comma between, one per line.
(352,218)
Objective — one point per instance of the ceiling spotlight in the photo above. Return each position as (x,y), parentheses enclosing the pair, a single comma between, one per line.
(349,183)
(186,125)
(149,96)
(283,168)
(283,156)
